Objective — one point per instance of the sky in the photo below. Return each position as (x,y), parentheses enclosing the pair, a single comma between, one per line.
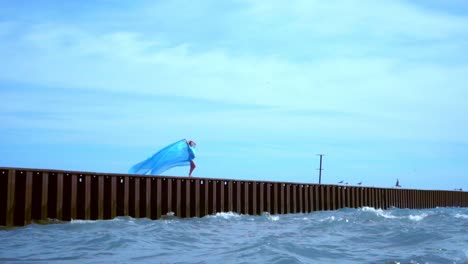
(379,87)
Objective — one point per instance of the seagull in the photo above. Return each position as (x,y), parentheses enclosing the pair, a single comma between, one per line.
(397,184)
(359,183)
(346,183)
(340,182)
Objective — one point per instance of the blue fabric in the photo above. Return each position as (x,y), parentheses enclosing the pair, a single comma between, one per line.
(176,154)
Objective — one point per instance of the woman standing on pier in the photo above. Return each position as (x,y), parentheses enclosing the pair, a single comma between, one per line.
(180,153)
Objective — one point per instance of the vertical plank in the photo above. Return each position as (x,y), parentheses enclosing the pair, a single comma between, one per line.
(126,194)
(28,198)
(230,198)
(311,197)
(148,197)
(113,197)
(261,195)
(338,195)
(301,198)
(169,195)
(74,189)
(238,197)
(306,199)
(333,197)
(158,197)
(59,196)
(221,194)
(137,197)
(178,209)
(282,209)
(275,198)
(10,210)
(294,199)
(327,197)
(188,205)
(87,197)
(100,197)
(246,197)
(207,197)
(317,197)
(268,200)
(254,197)
(45,197)
(322,197)
(214,197)
(197,198)
(288,198)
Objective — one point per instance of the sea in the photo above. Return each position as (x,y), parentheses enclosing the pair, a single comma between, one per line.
(364,235)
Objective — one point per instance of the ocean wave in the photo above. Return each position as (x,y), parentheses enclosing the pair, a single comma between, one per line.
(417,218)
(227,215)
(463,216)
(379,212)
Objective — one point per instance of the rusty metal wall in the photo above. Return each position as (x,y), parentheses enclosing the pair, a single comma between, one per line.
(32,195)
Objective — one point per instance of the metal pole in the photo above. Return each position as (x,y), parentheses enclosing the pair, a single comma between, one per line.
(320,170)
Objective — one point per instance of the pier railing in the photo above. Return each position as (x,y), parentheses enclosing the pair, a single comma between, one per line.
(28,195)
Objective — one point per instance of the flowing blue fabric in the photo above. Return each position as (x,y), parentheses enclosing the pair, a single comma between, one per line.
(176,154)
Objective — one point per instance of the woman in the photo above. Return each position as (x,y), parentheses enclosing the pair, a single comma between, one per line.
(180,153)
(192,146)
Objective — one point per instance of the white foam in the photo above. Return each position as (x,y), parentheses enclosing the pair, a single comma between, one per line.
(79,221)
(417,218)
(228,215)
(464,216)
(273,217)
(378,212)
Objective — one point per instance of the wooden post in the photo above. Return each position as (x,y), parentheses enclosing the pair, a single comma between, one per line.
(137,197)
(301,198)
(230,198)
(246,197)
(275,198)
(178,209)
(254,197)
(214,197)
(188,204)
(59,208)
(268,204)
(148,197)
(28,198)
(126,194)
(74,188)
(261,205)
(10,210)
(158,198)
(221,195)
(100,197)
(45,197)
(87,197)
(294,199)
(113,197)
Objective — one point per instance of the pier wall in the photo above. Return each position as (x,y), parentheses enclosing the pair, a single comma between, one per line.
(28,195)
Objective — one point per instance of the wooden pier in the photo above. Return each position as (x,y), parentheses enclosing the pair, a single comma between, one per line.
(27,195)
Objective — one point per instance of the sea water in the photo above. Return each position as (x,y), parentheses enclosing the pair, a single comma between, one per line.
(364,235)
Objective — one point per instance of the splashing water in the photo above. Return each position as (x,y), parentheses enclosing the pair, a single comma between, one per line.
(365,235)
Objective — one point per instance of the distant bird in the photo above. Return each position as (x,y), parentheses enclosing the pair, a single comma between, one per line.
(340,181)
(359,183)
(346,183)
(397,184)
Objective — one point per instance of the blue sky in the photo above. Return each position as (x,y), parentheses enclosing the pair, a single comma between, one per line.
(379,87)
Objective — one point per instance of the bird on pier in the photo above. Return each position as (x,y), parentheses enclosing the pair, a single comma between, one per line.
(340,181)
(359,183)
(397,184)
